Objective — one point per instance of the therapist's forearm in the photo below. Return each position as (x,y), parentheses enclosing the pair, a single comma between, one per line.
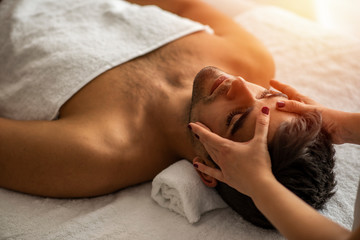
(293,217)
(351,127)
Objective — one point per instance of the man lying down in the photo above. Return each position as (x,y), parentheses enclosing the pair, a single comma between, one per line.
(96,96)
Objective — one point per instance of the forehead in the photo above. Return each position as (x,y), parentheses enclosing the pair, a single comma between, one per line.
(247,133)
(216,121)
(276,119)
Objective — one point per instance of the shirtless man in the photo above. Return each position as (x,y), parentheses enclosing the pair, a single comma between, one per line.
(130,122)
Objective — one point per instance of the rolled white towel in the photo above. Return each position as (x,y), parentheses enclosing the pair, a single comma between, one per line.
(179,188)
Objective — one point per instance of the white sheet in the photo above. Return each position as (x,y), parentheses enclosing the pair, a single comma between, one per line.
(321,64)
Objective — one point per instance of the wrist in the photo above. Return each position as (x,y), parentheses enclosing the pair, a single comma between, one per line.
(349,127)
(257,186)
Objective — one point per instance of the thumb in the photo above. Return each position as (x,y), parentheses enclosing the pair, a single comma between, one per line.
(262,124)
(293,106)
(203,125)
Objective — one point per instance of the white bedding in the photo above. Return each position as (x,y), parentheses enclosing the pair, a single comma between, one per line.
(324,65)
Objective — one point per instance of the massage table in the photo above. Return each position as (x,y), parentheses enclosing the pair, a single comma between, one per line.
(323,64)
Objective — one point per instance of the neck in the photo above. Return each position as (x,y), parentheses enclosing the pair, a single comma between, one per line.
(182,142)
(177,134)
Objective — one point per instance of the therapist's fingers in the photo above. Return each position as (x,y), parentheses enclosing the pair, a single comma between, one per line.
(215,145)
(295,107)
(262,124)
(206,136)
(203,125)
(291,92)
(212,172)
(286,89)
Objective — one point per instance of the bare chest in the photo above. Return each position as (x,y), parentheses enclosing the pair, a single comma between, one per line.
(132,102)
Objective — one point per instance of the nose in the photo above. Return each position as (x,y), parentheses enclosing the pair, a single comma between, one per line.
(239,90)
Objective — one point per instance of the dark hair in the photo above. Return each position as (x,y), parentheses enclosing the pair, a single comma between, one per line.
(302,158)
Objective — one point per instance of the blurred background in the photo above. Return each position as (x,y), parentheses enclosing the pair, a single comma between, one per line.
(341,15)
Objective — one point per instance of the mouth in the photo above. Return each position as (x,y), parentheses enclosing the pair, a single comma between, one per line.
(217,83)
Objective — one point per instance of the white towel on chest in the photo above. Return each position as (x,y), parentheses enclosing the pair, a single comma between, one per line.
(51,49)
(179,188)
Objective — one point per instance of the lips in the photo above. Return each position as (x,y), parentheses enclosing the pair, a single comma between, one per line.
(217,83)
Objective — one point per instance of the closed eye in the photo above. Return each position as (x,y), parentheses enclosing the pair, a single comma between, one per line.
(232,114)
(239,123)
(246,111)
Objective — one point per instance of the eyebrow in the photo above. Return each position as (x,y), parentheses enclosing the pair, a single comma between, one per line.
(278,94)
(240,122)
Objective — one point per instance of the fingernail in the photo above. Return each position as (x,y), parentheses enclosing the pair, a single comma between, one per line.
(265,110)
(189,126)
(197,136)
(280,104)
(195,165)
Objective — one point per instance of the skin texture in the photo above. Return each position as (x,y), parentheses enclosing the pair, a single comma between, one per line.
(220,100)
(130,122)
(246,166)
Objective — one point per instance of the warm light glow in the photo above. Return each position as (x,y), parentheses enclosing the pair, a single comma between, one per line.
(322,13)
(303,8)
(340,15)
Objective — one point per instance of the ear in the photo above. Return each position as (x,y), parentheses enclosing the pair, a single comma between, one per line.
(207,180)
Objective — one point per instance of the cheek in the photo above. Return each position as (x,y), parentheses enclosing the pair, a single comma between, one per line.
(195,113)
(211,119)
(199,149)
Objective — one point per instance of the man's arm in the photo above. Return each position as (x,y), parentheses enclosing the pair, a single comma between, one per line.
(63,158)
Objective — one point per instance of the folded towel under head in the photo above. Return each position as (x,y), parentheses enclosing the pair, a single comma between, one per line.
(179,188)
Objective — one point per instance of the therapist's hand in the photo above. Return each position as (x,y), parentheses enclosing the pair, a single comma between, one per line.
(332,120)
(243,165)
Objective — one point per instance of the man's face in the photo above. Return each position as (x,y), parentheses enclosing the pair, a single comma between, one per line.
(228,105)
